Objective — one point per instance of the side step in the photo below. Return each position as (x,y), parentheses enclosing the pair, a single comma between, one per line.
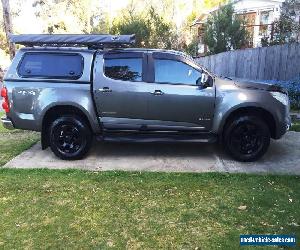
(157,137)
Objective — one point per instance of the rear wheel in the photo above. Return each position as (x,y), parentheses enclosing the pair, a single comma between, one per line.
(70,137)
(247,138)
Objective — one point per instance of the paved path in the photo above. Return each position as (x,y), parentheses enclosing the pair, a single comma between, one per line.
(282,157)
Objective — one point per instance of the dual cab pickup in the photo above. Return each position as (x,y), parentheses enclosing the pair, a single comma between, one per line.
(71,94)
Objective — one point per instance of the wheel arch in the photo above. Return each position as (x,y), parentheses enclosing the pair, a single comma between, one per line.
(56,111)
(251,110)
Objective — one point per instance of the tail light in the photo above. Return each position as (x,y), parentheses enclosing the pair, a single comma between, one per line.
(5,102)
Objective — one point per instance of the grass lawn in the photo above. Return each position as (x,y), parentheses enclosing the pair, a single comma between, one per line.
(100,210)
(83,210)
(13,142)
(295,126)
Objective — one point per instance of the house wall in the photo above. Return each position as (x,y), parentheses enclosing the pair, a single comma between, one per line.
(259,6)
(250,5)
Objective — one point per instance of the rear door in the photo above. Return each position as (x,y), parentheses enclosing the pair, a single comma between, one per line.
(120,90)
(176,102)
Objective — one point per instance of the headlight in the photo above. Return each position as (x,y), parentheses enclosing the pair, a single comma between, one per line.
(283,98)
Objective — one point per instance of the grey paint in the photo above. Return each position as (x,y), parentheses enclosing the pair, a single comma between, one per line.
(136,102)
(231,96)
(126,99)
(132,105)
(30,99)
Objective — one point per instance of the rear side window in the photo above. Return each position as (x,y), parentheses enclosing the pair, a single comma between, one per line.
(126,69)
(51,65)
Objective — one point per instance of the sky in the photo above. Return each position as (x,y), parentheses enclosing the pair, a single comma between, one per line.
(26,22)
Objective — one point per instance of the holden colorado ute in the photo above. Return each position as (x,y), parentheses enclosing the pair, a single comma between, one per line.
(72,88)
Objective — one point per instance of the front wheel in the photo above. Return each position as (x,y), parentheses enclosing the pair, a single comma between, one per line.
(247,138)
(70,137)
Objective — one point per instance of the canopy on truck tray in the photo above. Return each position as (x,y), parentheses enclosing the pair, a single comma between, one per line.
(65,40)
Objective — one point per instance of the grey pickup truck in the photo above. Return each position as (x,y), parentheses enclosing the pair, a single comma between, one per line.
(72,88)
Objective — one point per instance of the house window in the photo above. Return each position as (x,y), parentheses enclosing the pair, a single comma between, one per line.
(264,23)
(249,21)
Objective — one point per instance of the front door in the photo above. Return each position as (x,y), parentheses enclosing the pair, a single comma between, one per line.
(176,102)
(120,90)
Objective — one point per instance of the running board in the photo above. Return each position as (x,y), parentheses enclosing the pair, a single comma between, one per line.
(150,137)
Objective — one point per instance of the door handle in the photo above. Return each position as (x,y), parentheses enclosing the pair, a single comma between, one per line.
(157,92)
(105,90)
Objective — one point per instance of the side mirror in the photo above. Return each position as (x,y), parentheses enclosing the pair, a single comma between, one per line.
(204,81)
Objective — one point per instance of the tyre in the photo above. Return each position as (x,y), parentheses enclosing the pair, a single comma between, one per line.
(70,137)
(246,138)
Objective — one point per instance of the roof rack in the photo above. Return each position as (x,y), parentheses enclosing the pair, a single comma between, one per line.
(92,41)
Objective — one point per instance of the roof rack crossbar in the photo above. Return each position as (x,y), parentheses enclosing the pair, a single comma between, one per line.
(64,40)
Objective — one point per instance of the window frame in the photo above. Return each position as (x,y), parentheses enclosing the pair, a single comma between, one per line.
(127,55)
(172,57)
(77,77)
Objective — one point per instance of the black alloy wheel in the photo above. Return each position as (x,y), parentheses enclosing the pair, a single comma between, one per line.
(247,138)
(70,137)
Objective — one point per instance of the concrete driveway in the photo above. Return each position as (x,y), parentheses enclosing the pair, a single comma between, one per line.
(283,157)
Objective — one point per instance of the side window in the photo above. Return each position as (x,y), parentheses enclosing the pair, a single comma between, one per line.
(51,65)
(171,71)
(126,69)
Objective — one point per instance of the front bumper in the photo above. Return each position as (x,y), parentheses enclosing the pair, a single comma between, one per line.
(7,123)
(283,127)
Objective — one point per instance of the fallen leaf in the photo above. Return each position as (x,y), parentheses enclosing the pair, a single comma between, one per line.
(110,243)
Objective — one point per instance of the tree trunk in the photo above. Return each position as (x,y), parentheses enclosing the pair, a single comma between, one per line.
(8,27)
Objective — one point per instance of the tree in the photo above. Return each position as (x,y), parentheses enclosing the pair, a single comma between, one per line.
(224,31)
(192,47)
(8,27)
(100,23)
(161,34)
(151,29)
(213,3)
(286,29)
(134,24)
(67,16)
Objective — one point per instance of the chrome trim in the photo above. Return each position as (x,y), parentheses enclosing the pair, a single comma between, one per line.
(157,92)
(105,90)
